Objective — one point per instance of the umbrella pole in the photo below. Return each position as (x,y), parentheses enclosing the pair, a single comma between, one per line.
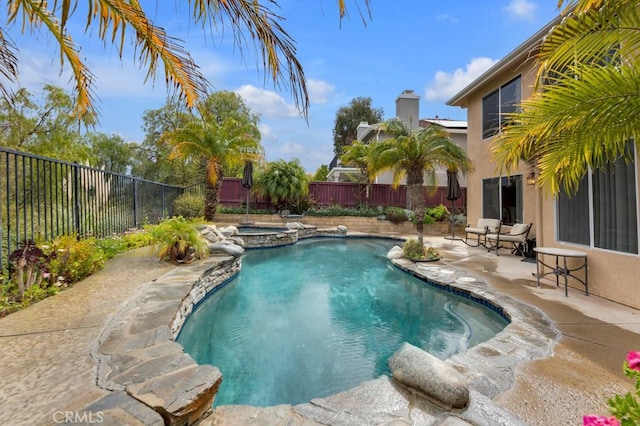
(246,217)
(453,226)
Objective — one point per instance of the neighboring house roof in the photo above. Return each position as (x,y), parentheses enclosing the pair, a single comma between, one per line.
(519,55)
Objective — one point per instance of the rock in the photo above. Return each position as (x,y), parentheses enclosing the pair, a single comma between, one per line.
(229,231)
(181,397)
(238,241)
(419,370)
(226,247)
(395,253)
(342,229)
(294,225)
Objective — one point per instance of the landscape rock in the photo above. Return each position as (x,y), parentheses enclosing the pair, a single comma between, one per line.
(421,371)
(342,229)
(395,253)
(226,247)
(229,231)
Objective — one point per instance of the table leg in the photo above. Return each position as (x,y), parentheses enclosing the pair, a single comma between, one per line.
(538,268)
(557,272)
(565,272)
(586,277)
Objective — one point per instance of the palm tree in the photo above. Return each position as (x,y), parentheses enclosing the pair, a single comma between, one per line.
(115,19)
(285,183)
(416,155)
(585,106)
(357,154)
(225,133)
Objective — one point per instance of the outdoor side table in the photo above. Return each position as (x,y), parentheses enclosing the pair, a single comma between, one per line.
(562,269)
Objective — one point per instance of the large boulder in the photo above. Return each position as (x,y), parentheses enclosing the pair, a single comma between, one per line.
(226,247)
(229,231)
(421,371)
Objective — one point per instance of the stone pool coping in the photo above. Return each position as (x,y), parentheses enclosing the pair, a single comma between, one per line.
(150,374)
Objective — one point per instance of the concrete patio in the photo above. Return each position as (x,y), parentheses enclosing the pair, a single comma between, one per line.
(47,367)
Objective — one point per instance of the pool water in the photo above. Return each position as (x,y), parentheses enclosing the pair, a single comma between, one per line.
(321,316)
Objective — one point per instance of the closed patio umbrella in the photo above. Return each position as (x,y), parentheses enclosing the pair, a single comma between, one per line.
(247,182)
(453,193)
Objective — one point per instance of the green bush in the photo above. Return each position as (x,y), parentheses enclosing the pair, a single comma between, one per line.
(242,210)
(435,214)
(74,259)
(338,210)
(178,240)
(137,238)
(412,249)
(189,206)
(395,214)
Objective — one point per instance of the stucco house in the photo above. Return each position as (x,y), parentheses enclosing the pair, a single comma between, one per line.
(408,110)
(601,219)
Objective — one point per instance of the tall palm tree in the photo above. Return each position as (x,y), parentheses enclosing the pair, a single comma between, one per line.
(416,155)
(224,133)
(154,47)
(585,106)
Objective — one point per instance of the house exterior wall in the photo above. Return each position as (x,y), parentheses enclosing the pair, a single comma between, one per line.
(611,275)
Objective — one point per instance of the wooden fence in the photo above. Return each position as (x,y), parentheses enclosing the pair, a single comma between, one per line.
(233,194)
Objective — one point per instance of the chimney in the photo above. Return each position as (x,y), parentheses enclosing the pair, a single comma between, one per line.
(407,108)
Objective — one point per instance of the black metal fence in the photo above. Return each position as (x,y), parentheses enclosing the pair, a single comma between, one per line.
(42,198)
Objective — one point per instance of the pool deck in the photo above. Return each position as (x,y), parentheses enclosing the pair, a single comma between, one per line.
(48,370)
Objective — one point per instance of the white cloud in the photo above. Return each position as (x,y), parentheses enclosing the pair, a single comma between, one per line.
(448,18)
(319,91)
(445,85)
(266,132)
(522,9)
(267,103)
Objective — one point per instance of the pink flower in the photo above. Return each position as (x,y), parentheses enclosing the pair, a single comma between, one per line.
(600,421)
(633,360)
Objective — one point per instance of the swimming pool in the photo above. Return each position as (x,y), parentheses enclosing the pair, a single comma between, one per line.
(321,316)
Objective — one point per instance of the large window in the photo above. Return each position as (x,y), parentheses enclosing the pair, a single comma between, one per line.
(505,100)
(603,212)
(502,199)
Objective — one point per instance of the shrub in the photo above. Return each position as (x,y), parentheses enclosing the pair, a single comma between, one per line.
(189,206)
(30,266)
(178,240)
(137,238)
(338,210)
(242,210)
(73,259)
(435,214)
(395,214)
(412,249)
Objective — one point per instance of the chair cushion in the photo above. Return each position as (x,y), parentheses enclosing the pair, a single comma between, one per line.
(519,228)
(493,224)
(472,230)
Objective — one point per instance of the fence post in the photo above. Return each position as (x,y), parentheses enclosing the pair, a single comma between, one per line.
(135,203)
(76,199)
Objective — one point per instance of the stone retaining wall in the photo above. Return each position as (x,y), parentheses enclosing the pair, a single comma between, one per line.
(269,239)
(353,223)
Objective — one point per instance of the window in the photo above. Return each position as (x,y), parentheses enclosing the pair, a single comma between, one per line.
(505,100)
(603,213)
(502,199)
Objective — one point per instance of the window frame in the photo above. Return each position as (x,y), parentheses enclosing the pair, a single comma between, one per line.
(493,126)
(591,214)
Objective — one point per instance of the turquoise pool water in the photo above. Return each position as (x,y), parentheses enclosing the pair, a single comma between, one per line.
(321,316)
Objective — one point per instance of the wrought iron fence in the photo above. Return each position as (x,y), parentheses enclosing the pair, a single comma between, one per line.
(42,198)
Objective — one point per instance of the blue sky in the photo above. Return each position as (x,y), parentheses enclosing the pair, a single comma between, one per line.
(432,47)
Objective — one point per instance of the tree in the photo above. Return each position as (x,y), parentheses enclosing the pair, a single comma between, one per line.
(416,155)
(151,158)
(42,126)
(358,155)
(321,174)
(115,19)
(285,183)
(109,152)
(347,120)
(585,106)
(224,132)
